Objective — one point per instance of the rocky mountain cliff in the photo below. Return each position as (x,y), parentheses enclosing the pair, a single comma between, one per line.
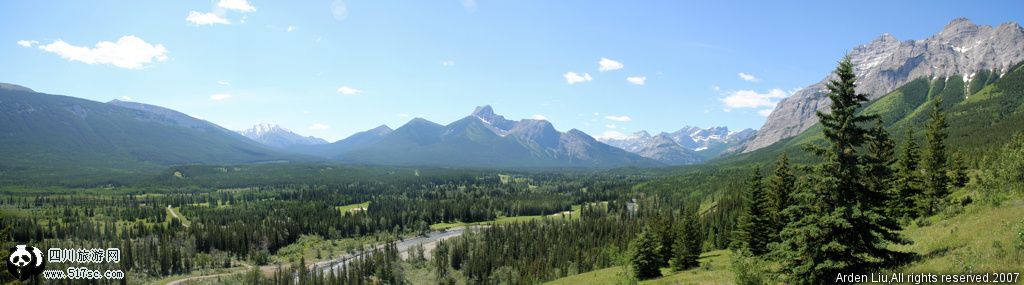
(960,49)
(688,145)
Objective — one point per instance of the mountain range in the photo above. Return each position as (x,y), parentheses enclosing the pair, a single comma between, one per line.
(960,49)
(276,136)
(688,145)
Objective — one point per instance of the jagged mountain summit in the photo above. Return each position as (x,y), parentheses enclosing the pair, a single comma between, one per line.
(279,137)
(962,49)
(688,145)
(486,139)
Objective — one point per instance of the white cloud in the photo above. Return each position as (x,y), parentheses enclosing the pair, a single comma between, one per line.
(339,10)
(764,112)
(345,90)
(25,43)
(197,18)
(619,118)
(539,117)
(448,63)
(608,64)
(469,5)
(638,80)
(222,82)
(716,88)
(611,126)
(752,99)
(290,29)
(573,77)
(611,135)
(128,52)
(748,77)
(403,115)
(126,98)
(239,5)
(319,126)
(220,97)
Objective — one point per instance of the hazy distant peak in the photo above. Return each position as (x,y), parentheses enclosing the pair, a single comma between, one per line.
(15,87)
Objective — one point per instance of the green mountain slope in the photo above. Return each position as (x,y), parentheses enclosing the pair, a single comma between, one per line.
(51,137)
(979,120)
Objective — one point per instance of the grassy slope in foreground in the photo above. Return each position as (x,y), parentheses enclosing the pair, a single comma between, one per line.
(982,239)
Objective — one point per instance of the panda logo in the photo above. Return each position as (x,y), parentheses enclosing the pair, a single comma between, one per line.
(25,262)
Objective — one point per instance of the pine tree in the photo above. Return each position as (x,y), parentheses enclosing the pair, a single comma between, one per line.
(780,186)
(907,187)
(754,228)
(644,255)
(878,165)
(838,226)
(935,167)
(687,245)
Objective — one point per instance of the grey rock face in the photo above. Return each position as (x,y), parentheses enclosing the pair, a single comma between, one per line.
(961,48)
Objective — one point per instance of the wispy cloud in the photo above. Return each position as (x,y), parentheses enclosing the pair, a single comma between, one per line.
(222,82)
(469,5)
(447,63)
(198,18)
(290,29)
(345,90)
(611,126)
(539,117)
(128,52)
(753,99)
(319,126)
(638,80)
(619,118)
(220,97)
(26,43)
(748,77)
(339,10)
(765,112)
(606,64)
(611,135)
(126,98)
(573,77)
(237,5)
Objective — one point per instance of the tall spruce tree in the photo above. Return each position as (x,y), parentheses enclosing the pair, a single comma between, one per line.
(907,187)
(754,227)
(878,165)
(645,255)
(780,188)
(936,166)
(838,227)
(687,245)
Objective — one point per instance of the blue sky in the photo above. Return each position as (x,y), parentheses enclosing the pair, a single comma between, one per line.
(332,68)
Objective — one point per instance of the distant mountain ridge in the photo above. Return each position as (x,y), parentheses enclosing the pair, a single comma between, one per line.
(960,49)
(486,139)
(688,145)
(279,137)
(61,136)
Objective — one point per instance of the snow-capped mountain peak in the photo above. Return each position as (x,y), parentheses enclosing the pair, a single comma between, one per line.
(277,136)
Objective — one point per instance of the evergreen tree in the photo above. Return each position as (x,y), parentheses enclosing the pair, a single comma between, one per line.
(958,171)
(754,228)
(907,187)
(878,165)
(839,227)
(935,167)
(687,245)
(645,255)
(780,186)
